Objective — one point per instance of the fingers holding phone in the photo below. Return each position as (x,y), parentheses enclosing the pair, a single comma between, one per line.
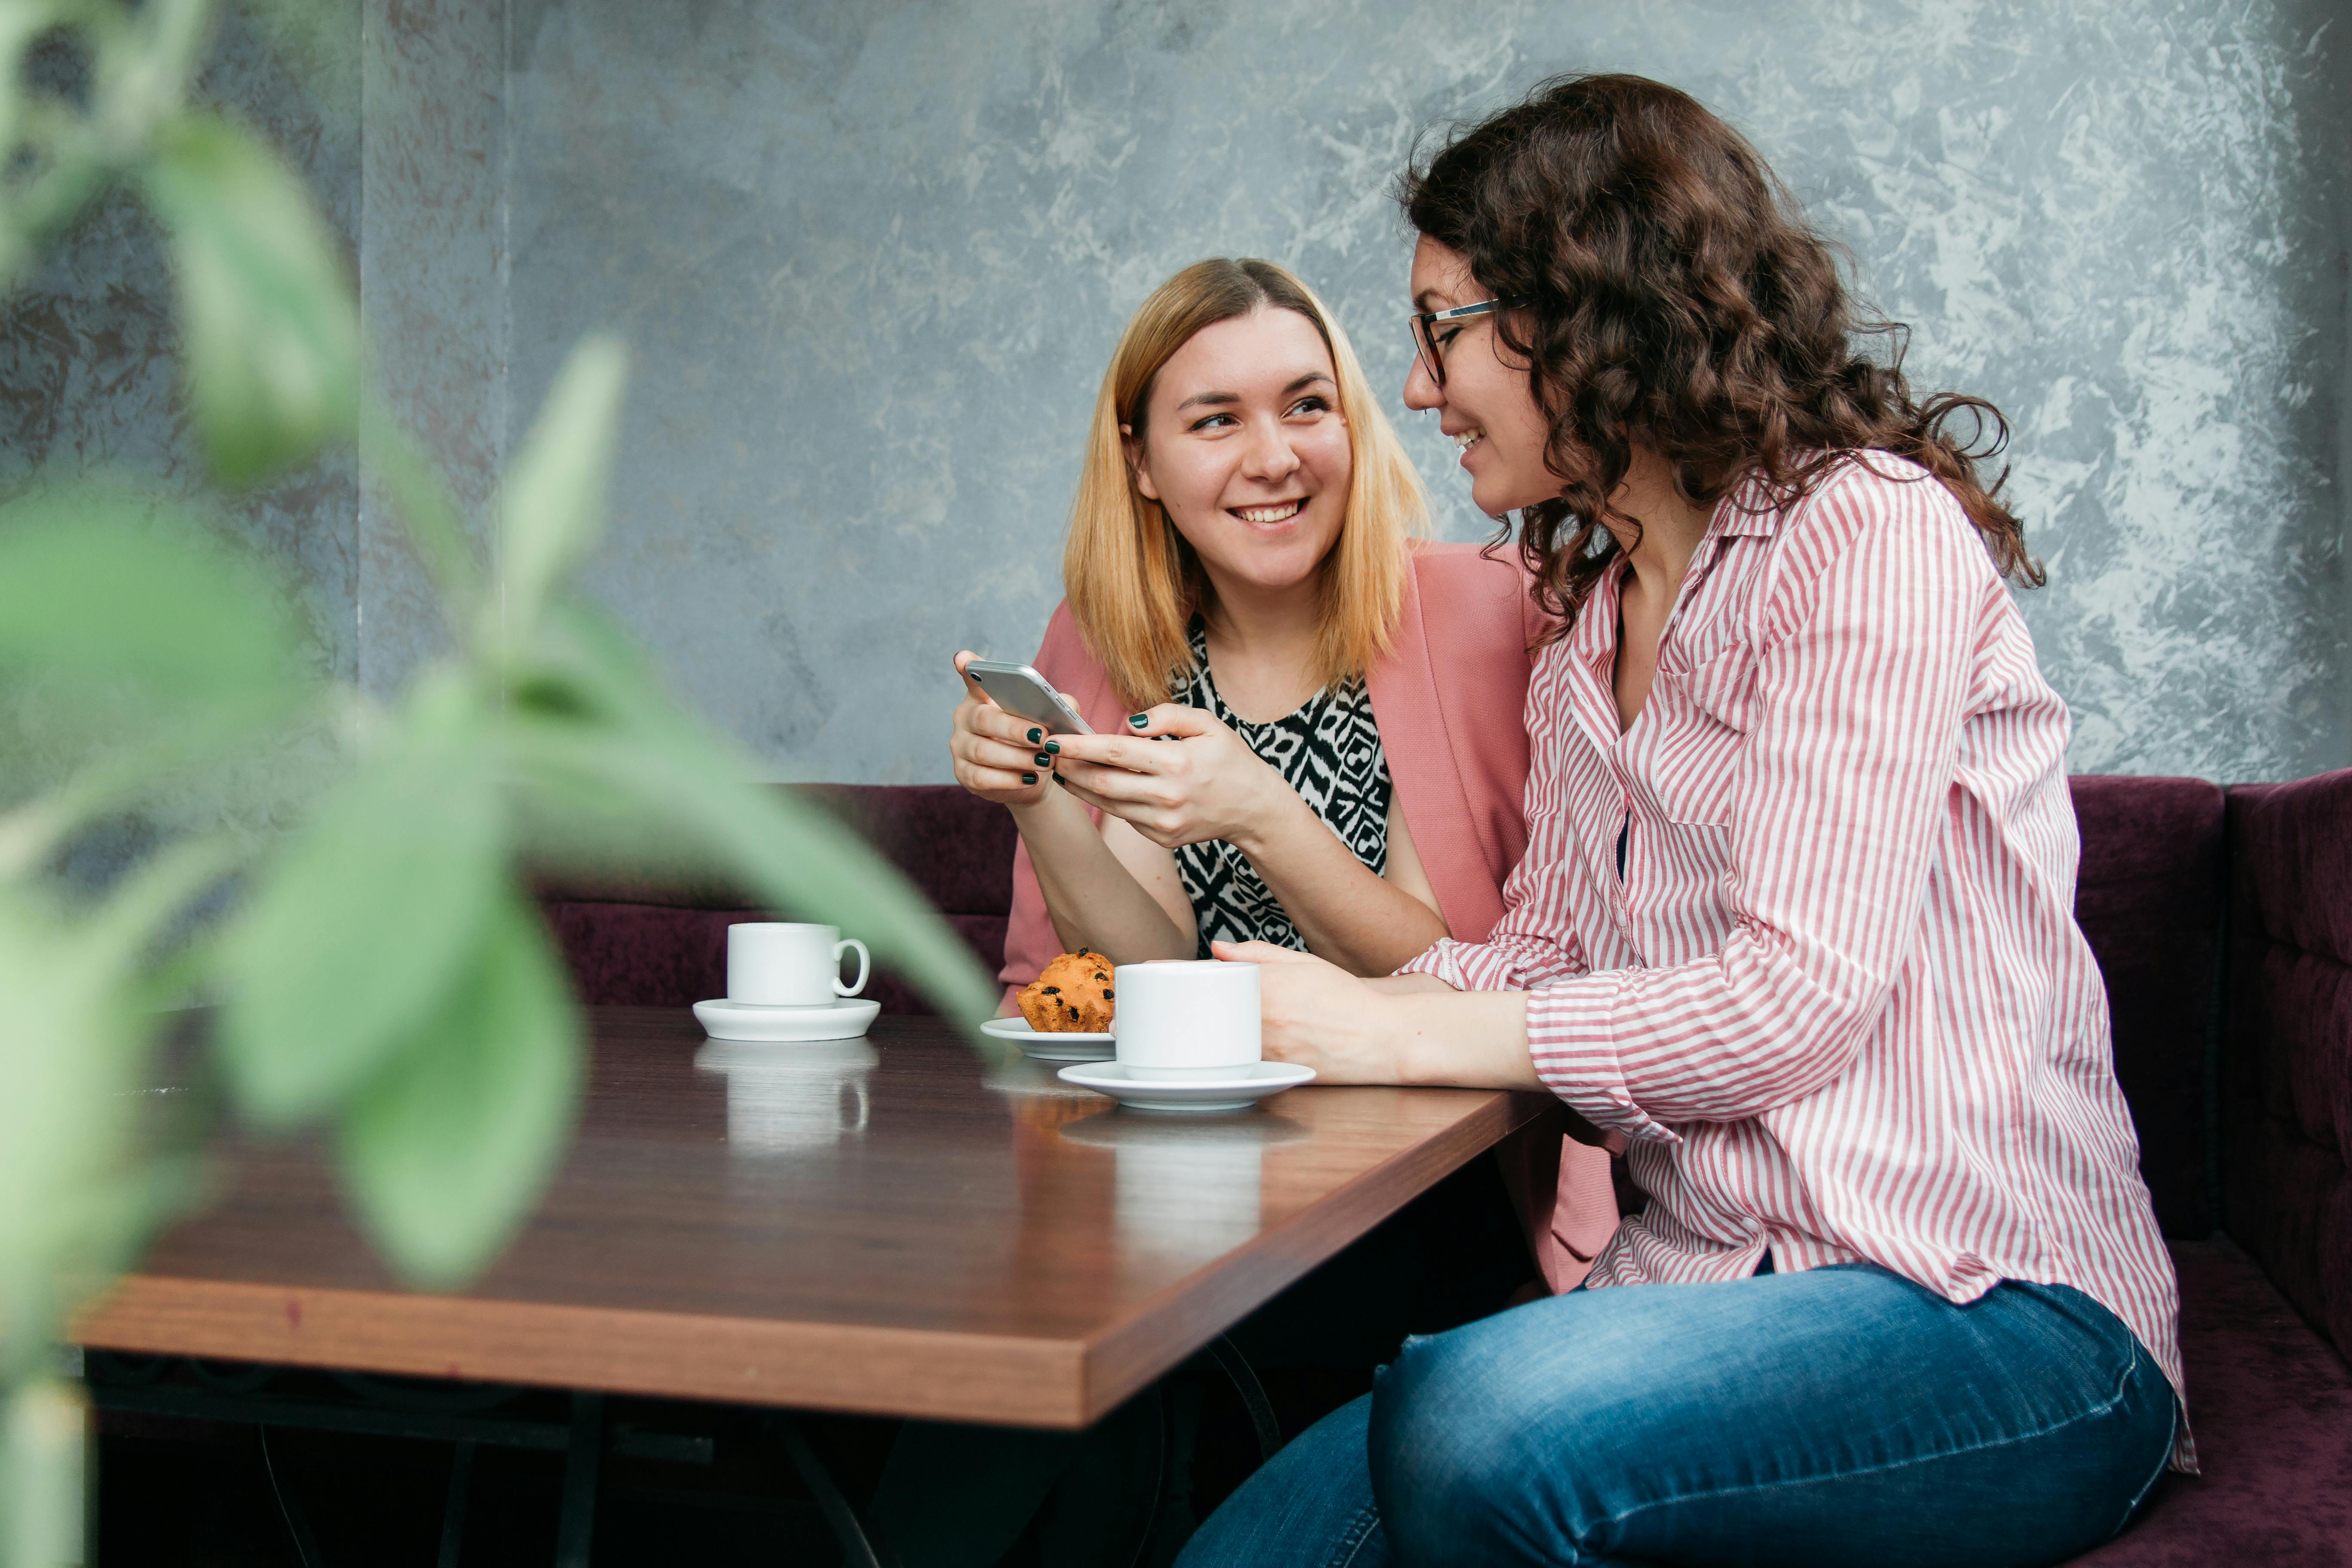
(1177,776)
(998,755)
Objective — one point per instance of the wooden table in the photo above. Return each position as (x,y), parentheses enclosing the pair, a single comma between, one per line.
(908,1226)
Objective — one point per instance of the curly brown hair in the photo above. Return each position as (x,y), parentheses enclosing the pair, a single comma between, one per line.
(1674,296)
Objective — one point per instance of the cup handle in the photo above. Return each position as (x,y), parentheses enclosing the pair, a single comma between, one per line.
(864,963)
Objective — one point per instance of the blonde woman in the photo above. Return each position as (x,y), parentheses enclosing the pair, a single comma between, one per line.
(1309,719)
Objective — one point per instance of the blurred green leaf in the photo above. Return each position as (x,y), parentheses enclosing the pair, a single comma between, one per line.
(68,1044)
(44,1431)
(555,492)
(97,583)
(372,914)
(78,1200)
(446,1151)
(20,24)
(317,43)
(267,316)
(389,457)
(592,721)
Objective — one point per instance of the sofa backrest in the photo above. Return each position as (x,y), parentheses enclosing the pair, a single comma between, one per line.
(660,940)
(2149,897)
(2287,1066)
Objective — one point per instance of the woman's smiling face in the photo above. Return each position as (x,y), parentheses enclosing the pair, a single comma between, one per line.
(1486,405)
(1246,449)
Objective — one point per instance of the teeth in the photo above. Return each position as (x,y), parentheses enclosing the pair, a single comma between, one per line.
(1469,438)
(1268,513)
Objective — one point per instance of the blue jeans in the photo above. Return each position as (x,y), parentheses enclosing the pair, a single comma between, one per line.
(1839,1416)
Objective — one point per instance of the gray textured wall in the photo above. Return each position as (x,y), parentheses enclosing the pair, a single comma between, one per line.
(433,295)
(88,373)
(872,257)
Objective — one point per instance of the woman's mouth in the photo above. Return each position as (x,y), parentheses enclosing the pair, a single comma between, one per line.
(1468,439)
(1281,512)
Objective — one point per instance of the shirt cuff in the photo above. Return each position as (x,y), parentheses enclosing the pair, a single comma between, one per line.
(1466,965)
(1575,1053)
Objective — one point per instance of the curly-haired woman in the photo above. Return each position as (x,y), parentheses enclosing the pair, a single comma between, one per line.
(1795,919)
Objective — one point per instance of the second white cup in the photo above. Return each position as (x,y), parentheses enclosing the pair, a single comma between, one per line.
(1186,1018)
(776,963)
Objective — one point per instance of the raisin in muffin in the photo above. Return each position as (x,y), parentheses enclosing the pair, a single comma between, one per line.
(1073,996)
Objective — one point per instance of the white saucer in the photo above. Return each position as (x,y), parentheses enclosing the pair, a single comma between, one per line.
(845,1020)
(1052,1048)
(1227,1091)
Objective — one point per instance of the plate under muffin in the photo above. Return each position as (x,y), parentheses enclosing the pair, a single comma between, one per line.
(1051,1048)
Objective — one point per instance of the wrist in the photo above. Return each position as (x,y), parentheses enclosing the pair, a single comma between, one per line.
(1413,1048)
(1270,817)
(1050,808)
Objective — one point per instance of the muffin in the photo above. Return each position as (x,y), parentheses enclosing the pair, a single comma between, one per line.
(1073,996)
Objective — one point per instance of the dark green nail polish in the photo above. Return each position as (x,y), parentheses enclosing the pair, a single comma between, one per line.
(1138,719)
(1028,778)
(1035,736)
(1044,761)
(1054,747)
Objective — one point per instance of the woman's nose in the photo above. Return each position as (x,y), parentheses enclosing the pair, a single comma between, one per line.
(1421,388)
(1267,453)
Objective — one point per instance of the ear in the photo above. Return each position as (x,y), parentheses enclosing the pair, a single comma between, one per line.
(1139,469)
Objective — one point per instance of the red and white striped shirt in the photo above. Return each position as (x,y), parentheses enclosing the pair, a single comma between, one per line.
(1838,1004)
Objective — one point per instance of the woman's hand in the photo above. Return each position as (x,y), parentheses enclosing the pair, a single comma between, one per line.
(999,756)
(1319,1016)
(1200,781)
(1386,1031)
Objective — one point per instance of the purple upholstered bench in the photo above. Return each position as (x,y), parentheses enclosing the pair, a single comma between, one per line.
(2242,1089)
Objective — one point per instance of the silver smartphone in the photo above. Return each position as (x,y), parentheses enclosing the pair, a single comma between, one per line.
(1017,688)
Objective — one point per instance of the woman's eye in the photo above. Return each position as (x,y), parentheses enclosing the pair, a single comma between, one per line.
(1203,423)
(1448,335)
(1311,406)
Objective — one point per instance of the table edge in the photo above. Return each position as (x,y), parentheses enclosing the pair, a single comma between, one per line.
(1060,1382)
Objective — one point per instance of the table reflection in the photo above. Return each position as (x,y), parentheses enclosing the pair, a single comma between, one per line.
(1185,1188)
(792,1098)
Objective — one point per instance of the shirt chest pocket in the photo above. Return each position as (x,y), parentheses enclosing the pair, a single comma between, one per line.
(1708,712)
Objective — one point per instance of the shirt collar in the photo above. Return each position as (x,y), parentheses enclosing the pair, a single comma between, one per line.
(1748,511)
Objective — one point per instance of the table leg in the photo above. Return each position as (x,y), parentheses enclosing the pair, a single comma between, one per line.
(289,1508)
(576,1525)
(1243,1376)
(453,1509)
(857,1552)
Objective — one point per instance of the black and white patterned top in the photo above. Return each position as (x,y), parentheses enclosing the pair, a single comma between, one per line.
(1329,751)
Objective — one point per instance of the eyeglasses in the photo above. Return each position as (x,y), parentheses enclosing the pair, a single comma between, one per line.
(1426,341)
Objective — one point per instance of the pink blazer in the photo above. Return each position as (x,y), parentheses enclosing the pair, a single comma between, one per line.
(1450,701)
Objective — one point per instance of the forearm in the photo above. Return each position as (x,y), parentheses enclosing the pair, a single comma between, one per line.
(1094,901)
(1411,1030)
(1347,912)
(1471,1039)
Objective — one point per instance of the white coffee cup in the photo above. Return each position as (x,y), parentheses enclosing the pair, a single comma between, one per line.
(775,963)
(1185,1018)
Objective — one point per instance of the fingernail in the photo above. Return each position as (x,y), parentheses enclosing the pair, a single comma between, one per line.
(1035,736)
(1054,747)
(1138,719)
(1044,761)
(1028,778)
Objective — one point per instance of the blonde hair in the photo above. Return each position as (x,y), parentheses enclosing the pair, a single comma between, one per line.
(1132,582)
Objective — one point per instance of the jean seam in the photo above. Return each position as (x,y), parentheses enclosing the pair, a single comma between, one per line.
(1351,1540)
(2164,1455)
(2089,1415)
